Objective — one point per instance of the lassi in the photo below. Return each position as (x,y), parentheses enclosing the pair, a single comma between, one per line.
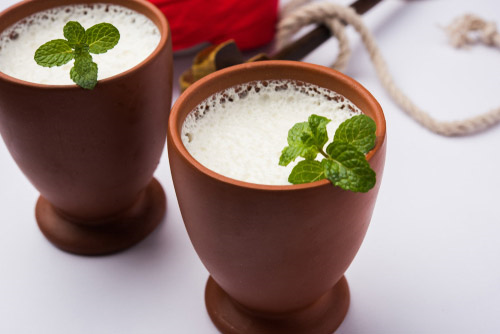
(240,132)
(139,36)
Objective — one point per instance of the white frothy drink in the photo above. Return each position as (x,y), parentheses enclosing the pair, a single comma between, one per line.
(139,36)
(241,131)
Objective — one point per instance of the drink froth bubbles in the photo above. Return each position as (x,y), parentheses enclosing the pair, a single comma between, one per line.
(139,36)
(240,132)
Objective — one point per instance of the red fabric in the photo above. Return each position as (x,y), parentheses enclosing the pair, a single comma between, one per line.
(251,23)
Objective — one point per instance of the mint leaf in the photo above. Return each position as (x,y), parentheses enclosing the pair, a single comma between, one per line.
(345,163)
(74,33)
(102,37)
(289,154)
(301,144)
(84,73)
(54,53)
(82,50)
(348,168)
(305,140)
(307,171)
(78,45)
(358,131)
(317,125)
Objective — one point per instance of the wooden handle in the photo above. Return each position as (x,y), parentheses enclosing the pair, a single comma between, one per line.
(307,43)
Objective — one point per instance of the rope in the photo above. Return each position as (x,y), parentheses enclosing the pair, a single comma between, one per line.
(332,15)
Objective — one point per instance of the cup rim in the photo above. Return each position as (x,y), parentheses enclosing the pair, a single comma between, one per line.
(234,71)
(161,23)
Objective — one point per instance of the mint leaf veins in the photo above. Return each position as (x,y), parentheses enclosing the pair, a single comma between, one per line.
(305,140)
(78,45)
(344,162)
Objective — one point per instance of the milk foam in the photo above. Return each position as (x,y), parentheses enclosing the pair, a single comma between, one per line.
(241,131)
(139,36)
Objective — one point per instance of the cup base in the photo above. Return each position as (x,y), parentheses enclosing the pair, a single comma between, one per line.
(322,317)
(113,235)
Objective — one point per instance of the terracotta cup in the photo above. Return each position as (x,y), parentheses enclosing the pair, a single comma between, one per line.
(92,154)
(276,254)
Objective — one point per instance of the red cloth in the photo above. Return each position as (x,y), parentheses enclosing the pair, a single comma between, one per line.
(251,23)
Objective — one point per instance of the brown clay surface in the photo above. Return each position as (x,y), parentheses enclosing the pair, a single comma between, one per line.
(272,249)
(323,316)
(90,153)
(105,236)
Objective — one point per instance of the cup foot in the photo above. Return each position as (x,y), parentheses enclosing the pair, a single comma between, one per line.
(322,317)
(115,234)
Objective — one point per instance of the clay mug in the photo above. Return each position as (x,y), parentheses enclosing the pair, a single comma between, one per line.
(276,254)
(92,154)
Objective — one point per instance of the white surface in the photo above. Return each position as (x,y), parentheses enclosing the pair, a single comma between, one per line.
(429,263)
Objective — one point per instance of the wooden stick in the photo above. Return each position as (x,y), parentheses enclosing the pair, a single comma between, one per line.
(310,41)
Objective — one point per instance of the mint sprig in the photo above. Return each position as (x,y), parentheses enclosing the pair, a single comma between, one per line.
(344,162)
(78,45)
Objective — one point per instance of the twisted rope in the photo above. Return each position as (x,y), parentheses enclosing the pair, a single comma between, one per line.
(332,15)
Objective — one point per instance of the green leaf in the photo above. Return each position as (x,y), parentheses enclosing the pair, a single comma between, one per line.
(98,39)
(54,53)
(82,50)
(84,73)
(289,154)
(348,168)
(300,144)
(305,139)
(102,37)
(74,33)
(358,131)
(318,129)
(307,171)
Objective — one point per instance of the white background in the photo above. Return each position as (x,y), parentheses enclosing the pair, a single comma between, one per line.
(429,263)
